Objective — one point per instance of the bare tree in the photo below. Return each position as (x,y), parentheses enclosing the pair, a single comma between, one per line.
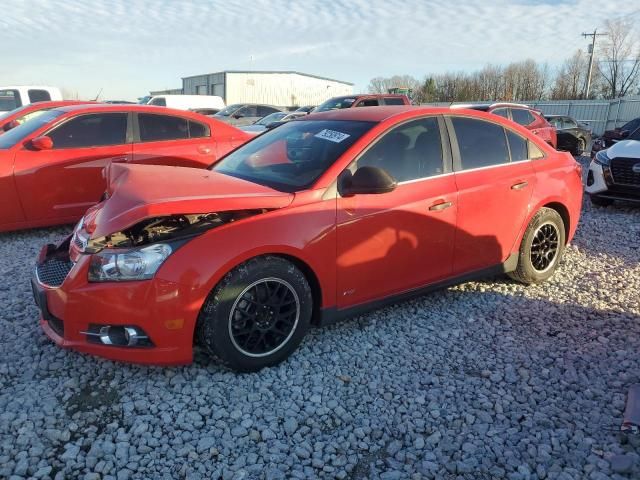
(619,64)
(570,78)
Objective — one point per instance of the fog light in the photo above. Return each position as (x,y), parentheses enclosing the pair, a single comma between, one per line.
(118,336)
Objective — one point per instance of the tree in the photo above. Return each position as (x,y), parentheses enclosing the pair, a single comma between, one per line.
(571,78)
(619,64)
(383,84)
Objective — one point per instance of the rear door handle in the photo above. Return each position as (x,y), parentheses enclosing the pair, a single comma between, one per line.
(519,186)
(440,206)
(204,150)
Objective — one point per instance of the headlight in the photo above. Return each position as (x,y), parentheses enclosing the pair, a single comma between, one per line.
(602,158)
(125,265)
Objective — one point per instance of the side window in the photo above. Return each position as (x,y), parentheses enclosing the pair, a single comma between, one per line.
(39,96)
(369,102)
(248,111)
(9,100)
(481,143)
(159,101)
(501,112)
(521,116)
(517,146)
(534,151)
(393,101)
(264,111)
(198,130)
(94,130)
(408,152)
(569,123)
(556,122)
(155,128)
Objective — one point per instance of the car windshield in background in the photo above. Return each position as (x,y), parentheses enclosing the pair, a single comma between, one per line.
(272,117)
(15,135)
(635,135)
(335,104)
(291,157)
(9,100)
(225,112)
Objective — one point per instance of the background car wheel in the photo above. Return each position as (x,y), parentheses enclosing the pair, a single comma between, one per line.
(599,201)
(257,315)
(541,247)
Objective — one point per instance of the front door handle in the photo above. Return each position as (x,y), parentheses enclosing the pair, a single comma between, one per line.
(119,159)
(519,185)
(440,206)
(204,150)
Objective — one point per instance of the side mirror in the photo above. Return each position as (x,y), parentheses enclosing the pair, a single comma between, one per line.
(42,143)
(9,125)
(367,180)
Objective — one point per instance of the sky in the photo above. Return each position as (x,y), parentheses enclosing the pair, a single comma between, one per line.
(127,47)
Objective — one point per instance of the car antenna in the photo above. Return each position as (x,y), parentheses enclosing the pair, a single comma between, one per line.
(98,95)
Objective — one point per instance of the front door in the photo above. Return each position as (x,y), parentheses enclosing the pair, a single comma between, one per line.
(394,242)
(63,182)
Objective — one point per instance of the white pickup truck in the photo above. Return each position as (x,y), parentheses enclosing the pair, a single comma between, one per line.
(16,96)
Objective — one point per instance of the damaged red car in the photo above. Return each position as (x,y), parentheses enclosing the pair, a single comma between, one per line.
(51,165)
(313,221)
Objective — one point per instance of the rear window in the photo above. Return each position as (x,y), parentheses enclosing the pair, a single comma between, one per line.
(394,101)
(39,96)
(9,100)
(159,101)
(16,135)
(336,103)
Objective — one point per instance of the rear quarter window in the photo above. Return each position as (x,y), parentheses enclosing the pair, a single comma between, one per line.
(394,101)
(517,146)
(522,117)
(156,128)
(39,96)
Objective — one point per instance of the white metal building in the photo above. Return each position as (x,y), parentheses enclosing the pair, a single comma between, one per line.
(279,88)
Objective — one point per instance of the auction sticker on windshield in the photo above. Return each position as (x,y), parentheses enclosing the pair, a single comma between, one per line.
(332,135)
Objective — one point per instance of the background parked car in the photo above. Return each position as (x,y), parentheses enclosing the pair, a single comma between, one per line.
(306,109)
(13,118)
(573,136)
(17,96)
(521,114)
(368,100)
(271,121)
(614,173)
(187,102)
(610,137)
(205,111)
(240,114)
(51,166)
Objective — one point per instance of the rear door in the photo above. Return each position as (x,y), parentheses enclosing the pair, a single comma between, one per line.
(63,182)
(172,140)
(495,182)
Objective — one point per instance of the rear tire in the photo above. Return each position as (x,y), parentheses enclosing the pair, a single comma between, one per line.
(599,201)
(257,315)
(541,248)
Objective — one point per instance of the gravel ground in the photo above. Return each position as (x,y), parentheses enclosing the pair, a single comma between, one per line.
(485,380)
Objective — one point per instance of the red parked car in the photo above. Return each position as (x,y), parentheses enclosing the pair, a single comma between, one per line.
(362,100)
(317,219)
(523,115)
(18,116)
(51,166)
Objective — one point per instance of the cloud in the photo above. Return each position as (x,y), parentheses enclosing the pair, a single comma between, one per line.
(129,47)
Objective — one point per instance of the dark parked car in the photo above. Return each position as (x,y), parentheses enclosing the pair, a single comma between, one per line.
(613,136)
(306,109)
(362,100)
(573,136)
(240,114)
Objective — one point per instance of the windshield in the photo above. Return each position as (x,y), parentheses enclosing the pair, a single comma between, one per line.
(9,100)
(291,157)
(15,135)
(635,135)
(225,112)
(272,117)
(335,104)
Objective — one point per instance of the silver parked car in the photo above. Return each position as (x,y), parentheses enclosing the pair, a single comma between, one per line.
(240,114)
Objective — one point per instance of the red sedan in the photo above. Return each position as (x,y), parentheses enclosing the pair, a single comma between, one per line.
(310,222)
(13,118)
(51,165)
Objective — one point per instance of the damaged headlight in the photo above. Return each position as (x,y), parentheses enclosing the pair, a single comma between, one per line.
(126,265)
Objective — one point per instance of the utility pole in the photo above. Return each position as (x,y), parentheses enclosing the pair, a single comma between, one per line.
(592,49)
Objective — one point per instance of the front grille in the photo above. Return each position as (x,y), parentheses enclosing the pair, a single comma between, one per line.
(622,171)
(56,325)
(53,271)
(78,243)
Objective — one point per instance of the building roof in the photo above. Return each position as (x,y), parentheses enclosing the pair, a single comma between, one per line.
(291,72)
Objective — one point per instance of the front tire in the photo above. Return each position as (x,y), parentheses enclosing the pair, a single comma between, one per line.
(257,315)
(541,248)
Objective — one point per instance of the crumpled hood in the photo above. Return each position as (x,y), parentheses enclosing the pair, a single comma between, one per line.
(137,192)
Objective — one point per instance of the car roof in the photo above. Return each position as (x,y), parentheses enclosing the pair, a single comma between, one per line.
(126,107)
(372,114)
